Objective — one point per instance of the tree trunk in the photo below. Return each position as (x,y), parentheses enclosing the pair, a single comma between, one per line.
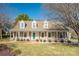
(77,32)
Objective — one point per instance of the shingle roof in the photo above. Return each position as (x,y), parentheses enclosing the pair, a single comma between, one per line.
(51,26)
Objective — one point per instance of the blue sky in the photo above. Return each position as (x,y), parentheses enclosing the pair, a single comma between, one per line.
(34,10)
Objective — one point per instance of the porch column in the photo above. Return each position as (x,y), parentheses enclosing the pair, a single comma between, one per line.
(13,35)
(39,35)
(10,36)
(30,35)
(56,35)
(69,35)
(66,35)
(46,35)
(18,35)
(23,35)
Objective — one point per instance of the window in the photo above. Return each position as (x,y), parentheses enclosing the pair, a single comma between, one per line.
(22,24)
(64,34)
(25,34)
(53,33)
(45,33)
(42,34)
(49,34)
(21,34)
(45,24)
(15,34)
(11,34)
(29,33)
(34,25)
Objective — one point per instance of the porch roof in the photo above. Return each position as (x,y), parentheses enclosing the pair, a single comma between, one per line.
(41,30)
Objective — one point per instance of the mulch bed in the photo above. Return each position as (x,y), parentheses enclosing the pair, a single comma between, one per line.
(5,50)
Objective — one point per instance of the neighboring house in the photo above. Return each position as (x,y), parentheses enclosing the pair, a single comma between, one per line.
(39,30)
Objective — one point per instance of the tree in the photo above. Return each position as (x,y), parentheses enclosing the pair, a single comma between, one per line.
(24,17)
(68,12)
(5,23)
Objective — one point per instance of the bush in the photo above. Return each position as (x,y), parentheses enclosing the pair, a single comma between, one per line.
(55,40)
(61,41)
(17,39)
(28,40)
(40,40)
(37,40)
(44,40)
(49,40)
(21,39)
(68,41)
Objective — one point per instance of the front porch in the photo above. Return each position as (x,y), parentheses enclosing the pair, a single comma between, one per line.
(39,35)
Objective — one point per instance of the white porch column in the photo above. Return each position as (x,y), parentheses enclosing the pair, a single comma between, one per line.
(69,35)
(13,35)
(56,35)
(46,35)
(39,35)
(18,35)
(23,36)
(10,36)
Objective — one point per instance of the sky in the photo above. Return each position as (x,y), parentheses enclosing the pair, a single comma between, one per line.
(33,10)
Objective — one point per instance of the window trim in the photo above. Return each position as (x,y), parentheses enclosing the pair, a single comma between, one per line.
(34,25)
(45,25)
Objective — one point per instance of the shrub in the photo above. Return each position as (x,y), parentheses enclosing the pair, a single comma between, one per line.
(40,40)
(68,41)
(37,40)
(21,39)
(24,39)
(49,40)
(28,40)
(55,40)
(44,40)
(61,41)
(17,39)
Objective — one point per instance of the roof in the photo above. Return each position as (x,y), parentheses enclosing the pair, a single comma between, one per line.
(51,26)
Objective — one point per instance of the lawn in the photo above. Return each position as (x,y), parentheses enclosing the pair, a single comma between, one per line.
(42,49)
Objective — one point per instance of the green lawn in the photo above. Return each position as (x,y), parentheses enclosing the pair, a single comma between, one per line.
(43,49)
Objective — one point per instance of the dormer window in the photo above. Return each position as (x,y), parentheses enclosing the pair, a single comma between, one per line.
(22,24)
(34,25)
(45,24)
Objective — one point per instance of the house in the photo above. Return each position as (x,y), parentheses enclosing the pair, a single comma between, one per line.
(39,30)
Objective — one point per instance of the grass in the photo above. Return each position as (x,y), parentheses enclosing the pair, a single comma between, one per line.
(43,49)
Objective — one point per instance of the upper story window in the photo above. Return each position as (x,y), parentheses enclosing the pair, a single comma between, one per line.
(22,24)
(45,24)
(34,25)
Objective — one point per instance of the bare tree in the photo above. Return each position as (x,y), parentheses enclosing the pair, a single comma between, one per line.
(6,20)
(69,12)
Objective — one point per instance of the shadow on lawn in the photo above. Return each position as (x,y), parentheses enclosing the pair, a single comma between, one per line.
(7,51)
(71,43)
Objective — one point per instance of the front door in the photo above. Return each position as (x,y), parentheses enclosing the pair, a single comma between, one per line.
(33,35)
